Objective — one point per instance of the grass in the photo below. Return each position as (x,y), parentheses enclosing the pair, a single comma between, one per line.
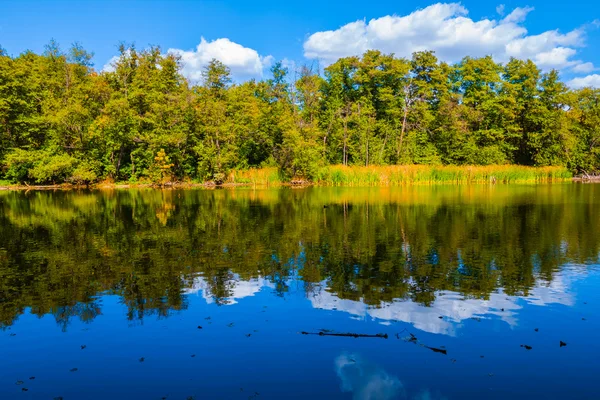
(394,175)
(398,175)
(338,175)
(256,176)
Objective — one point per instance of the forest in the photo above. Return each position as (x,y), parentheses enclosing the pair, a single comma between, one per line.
(63,121)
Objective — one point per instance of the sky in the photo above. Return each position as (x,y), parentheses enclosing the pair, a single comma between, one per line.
(249,36)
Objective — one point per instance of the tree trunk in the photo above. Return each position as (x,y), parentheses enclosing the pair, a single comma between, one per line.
(383,147)
(345,157)
(403,128)
(367,145)
(406,105)
(119,160)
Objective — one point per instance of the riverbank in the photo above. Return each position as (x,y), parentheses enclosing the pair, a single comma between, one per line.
(339,175)
(398,175)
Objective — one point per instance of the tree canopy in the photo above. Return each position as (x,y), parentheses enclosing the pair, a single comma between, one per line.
(61,120)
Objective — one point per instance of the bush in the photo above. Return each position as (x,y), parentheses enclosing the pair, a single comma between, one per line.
(18,163)
(41,166)
(51,169)
(84,174)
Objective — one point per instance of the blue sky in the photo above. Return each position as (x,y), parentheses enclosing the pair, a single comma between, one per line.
(254,33)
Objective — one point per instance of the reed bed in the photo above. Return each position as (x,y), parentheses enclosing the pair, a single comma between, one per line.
(269,176)
(398,175)
(338,175)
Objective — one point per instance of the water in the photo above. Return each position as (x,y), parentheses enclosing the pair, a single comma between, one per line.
(118,283)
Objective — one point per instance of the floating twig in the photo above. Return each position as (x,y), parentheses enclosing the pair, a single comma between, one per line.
(354,335)
(436,350)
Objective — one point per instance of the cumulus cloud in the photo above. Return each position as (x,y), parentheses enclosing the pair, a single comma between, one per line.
(517,15)
(244,62)
(584,68)
(586,81)
(110,65)
(446,29)
(500,9)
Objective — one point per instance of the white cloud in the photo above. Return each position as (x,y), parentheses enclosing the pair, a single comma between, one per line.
(558,57)
(586,81)
(446,29)
(244,62)
(289,64)
(500,9)
(517,15)
(584,68)
(109,66)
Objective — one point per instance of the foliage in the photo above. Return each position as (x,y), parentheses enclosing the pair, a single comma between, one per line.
(52,168)
(161,169)
(85,173)
(39,166)
(63,121)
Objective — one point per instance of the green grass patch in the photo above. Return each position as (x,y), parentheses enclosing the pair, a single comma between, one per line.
(338,175)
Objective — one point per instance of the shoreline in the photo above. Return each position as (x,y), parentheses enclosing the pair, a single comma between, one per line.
(351,176)
(208,186)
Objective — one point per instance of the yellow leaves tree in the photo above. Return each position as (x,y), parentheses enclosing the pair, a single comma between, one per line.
(161,170)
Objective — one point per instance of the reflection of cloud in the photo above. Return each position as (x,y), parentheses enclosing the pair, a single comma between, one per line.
(452,306)
(427,395)
(365,380)
(238,288)
(557,291)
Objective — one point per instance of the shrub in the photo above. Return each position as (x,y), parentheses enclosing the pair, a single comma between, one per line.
(41,166)
(84,174)
(50,169)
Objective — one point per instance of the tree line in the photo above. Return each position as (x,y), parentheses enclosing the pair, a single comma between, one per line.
(61,120)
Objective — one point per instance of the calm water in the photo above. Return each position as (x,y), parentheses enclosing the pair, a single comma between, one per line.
(204,294)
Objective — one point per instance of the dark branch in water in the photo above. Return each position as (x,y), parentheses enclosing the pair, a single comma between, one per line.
(436,350)
(354,335)
(413,339)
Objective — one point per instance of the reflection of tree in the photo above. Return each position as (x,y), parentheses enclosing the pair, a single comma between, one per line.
(59,249)
(84,311)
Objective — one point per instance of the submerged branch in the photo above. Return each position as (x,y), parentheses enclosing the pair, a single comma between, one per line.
(354,335)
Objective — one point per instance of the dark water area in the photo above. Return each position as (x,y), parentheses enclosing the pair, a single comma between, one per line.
(462,292)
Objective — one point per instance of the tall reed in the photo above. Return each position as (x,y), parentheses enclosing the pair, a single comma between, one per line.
(338,175)
(269,176)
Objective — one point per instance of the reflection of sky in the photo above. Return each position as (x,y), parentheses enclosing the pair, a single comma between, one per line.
(237,287)
(369,381)
(451,306)
(365,380)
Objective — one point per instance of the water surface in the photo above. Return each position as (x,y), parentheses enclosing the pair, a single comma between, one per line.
(204,294)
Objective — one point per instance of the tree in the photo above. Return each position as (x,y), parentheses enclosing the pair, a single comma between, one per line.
(61,120)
